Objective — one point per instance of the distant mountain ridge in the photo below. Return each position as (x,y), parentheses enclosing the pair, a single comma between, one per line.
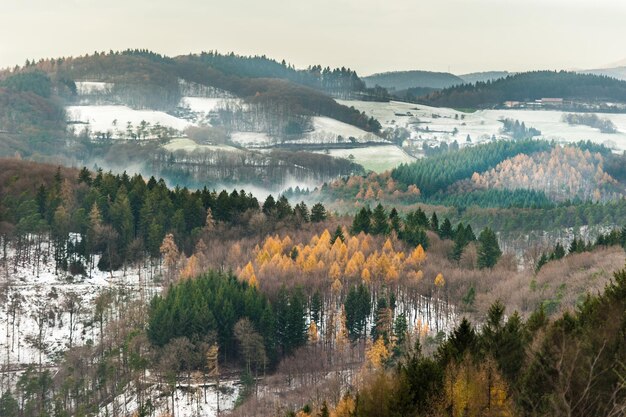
(403,80)
(474,77)
(530,86)
(616,72)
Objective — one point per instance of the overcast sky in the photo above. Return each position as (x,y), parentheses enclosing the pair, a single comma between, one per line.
(368,35)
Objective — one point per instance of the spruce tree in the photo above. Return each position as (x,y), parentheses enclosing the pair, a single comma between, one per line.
(434,222)
(446,232)
(543,259)
(380,226)
(318,213)
(394,220)
(283,208)
(316,307)
(362,221)
(559,251)
(488,249)
(268,206)
(301,211)
(337,235)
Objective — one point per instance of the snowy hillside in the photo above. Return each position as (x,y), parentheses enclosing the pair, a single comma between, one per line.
(375,158)
(44,309)
(115,119)
(443,124)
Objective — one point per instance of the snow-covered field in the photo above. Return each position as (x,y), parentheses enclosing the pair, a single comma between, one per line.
(115,118)
(188,145)
(326,125)
(205,105)
(482,124)
(375,158)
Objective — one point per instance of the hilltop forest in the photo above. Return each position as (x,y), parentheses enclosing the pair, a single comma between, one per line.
(529,86)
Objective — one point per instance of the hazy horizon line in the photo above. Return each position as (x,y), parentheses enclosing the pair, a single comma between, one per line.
(362,74)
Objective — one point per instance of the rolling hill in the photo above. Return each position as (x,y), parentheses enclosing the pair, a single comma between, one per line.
(403,80)
(530,86)
(475,77)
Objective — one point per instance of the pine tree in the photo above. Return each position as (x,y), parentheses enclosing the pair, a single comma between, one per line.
(541,262)
(446,232)
(122,219)
(283,208)
(301,211)
(488,249)
(318,213)
(362,221)
(357,309)
(84,176)
(394,220)
(380,225)
(400,329)
(9,406)
(269,205)
(559,251)
(434,223)
(316,307)
(337,235)
(324,412)
(382,321)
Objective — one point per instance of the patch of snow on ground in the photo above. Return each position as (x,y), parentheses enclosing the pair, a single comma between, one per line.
(375,158)
(188,145)
(432,124)
(251,139)
(38,295)
(205,105)
(328,125)
(102,118)
(188,400)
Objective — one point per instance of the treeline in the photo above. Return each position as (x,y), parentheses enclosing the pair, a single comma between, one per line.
(591,120)
(568,214)
(616,237)
(121,218)
(413,230)
(147,80)
(493,198)
(265,169)
(530,86)
(35,82)
(337,81)
(439,172)
(518,130)
(571,366)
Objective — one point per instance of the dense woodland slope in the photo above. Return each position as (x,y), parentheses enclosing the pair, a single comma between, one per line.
(370,297)
(147,80)
(530,86)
